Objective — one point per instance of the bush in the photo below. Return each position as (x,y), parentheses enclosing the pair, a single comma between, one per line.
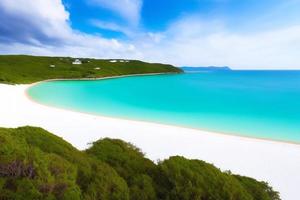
(130,164)
(184,179)
(34,164)
(60,171)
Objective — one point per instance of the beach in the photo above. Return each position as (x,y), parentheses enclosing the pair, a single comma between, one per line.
(277,163)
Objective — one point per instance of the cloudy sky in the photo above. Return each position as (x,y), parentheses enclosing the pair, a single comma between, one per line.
(241,34)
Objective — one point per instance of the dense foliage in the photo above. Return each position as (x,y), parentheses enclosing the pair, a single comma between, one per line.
(34,164)
(130,164)
(28,69)
(58,171)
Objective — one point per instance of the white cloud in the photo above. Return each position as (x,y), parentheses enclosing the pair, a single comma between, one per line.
(112,26)
(192,42)
(128,9)
(33,20)
(42,28)
(91,47)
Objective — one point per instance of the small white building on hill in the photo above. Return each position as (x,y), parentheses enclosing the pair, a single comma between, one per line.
(76,62)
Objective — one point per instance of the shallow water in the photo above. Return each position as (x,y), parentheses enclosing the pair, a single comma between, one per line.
(264,104)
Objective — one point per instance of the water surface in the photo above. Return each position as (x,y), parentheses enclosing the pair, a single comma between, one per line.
(263,104)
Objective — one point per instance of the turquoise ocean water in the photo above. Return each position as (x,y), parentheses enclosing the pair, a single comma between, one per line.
(264,104)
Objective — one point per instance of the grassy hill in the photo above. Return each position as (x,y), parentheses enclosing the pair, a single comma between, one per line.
(17,69)
(35,164)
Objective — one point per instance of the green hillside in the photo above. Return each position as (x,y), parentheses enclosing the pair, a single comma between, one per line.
(17,69)
(35,164)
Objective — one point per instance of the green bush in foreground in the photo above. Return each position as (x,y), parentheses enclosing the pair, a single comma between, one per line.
(130,164)
(34,164)
(59,171)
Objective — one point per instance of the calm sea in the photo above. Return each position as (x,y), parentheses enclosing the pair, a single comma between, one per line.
(264,104)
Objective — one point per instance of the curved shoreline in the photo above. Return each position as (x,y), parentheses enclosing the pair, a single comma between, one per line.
(145,121)
(171,125)
(101,78)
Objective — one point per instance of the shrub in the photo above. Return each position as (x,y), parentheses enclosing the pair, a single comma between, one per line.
(34,164)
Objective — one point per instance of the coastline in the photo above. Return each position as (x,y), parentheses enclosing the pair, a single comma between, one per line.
(275,162)
(161,124)
(100,78)
(129,120)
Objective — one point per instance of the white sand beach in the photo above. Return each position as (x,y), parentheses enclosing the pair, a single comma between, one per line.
(275,162)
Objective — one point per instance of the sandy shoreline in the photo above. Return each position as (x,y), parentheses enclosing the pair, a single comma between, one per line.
(275,162)
(100,78)
(130,120)
(143,121)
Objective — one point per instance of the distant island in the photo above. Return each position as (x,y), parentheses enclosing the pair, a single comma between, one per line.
(208,68)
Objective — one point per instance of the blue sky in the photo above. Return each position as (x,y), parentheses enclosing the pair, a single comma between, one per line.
(157,15)
(241,34)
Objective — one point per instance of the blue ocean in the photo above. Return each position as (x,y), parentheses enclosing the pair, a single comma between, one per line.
(260,104)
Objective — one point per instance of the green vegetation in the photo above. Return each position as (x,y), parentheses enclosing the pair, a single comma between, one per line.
(34,164)
(17,69)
